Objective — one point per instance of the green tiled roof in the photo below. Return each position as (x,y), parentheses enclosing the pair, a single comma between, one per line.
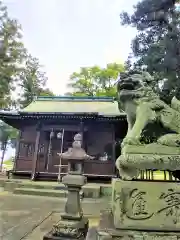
(104,106)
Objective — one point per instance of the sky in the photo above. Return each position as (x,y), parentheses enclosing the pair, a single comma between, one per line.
(68,34)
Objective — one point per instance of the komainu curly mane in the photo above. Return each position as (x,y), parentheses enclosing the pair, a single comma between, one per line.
(153,126)
(144,107)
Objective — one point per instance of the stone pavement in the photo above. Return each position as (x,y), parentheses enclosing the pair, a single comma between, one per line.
(20,216)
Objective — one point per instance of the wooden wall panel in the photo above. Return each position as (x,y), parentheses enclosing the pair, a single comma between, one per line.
(92,167)
(97,137)
(23,165)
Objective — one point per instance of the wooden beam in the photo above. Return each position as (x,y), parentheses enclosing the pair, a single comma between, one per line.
(66,127)
(34,163)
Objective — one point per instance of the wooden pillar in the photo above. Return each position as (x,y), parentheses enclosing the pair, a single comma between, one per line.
(35,157)
(82,131)
(114,149)
(17,150)
(113,144)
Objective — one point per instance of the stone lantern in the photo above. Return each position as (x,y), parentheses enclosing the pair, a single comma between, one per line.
(76,156)
(72,225)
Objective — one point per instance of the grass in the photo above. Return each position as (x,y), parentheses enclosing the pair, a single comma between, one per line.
(159,175)
(93,222)
(8,164)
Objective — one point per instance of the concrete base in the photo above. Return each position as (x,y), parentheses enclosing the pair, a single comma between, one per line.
(65,230)
(49,236)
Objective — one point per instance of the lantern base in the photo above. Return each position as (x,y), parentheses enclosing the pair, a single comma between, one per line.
(66,230)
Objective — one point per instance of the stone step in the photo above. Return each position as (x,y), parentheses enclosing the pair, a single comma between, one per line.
(85,192)
(41,192)
(42,186)
(106,190)
(90,190)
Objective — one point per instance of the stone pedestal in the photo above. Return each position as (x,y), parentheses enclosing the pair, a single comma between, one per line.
(72,225)
(142,211)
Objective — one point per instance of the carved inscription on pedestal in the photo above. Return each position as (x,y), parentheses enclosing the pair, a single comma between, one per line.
(172,207)
(146,205)
(137,208)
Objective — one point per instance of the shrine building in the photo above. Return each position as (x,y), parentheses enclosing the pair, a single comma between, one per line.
(47,127)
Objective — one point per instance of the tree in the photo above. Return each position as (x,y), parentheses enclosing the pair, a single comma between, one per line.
(32,81)
(8,136)
(17,68)
(12,53)
(95,81)
(157,44)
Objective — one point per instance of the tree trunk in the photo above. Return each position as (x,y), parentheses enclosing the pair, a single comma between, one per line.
(2,157)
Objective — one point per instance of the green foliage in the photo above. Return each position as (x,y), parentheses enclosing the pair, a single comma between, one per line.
(157,44)
(8,136)
(95,81)
(32,81)
(17,68)
(9,162)
(46,92)
(12,53)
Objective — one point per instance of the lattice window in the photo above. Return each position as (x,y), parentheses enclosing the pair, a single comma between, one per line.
(26,149)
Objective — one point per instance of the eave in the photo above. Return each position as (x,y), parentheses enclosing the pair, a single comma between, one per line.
(17,119)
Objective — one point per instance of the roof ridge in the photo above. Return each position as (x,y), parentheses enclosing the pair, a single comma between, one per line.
(75,98)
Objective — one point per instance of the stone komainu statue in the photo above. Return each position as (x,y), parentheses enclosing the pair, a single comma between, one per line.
(153,136)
